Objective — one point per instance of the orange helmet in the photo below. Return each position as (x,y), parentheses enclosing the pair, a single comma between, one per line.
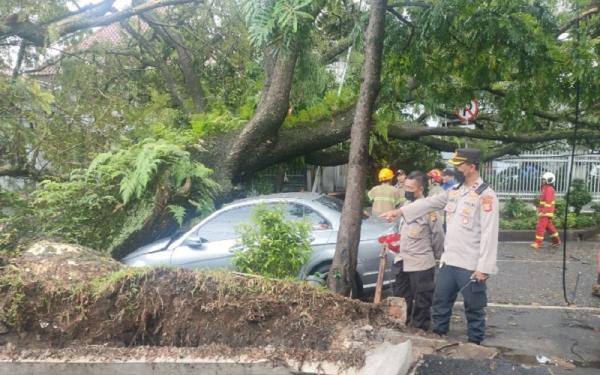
(435,174)
(385,174)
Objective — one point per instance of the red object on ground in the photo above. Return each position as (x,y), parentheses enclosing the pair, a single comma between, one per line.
(392,240)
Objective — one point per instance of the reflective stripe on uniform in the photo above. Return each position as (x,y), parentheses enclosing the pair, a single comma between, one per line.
(386,199)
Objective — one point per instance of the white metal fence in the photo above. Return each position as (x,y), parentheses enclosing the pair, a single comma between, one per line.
(520,176)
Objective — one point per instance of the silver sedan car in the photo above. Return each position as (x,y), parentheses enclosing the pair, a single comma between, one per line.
(213,242)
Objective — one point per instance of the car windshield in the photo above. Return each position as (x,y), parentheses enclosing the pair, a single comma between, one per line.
(333,203)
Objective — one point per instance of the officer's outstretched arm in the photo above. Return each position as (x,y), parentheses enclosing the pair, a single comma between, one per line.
(420,207)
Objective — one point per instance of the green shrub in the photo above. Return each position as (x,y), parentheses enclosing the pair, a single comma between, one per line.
(516,209)
(15,222)
(273,247)
(571,220)
(579,195)
(596,212)
(559,209)
(519,224)
(585,221)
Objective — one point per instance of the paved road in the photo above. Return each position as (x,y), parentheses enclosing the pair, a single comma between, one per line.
(535,276)
(527,315)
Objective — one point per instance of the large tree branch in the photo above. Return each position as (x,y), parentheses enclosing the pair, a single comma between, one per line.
(264,125)
(20,57)
(590,12)
(157,62)
(90,10)
(402,132)
(23,171)
(39,34)
(306,139)
(567,117)
(329,56)
(333,157)
(175,40)
(402,4)
(327,158)
(400,17)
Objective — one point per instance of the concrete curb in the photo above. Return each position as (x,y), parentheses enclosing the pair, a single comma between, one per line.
(529,235)
(382,359)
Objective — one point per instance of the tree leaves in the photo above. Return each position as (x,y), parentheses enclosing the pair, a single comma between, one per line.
(273,246)
(103,204)
(275,21)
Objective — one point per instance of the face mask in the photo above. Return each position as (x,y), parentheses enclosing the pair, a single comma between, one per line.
(459,177)
(409,195)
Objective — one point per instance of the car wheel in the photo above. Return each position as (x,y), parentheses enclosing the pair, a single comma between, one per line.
(322,271)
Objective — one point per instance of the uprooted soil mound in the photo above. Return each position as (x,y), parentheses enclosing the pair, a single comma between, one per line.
(61,295)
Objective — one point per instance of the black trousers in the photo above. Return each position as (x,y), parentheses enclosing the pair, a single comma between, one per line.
(451,280)
(417,289)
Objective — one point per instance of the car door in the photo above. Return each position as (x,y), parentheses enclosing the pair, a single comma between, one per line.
(212,245)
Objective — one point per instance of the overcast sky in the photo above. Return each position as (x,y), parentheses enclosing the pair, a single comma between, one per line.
(119,4)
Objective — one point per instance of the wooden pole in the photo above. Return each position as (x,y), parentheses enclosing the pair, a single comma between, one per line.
(380,274)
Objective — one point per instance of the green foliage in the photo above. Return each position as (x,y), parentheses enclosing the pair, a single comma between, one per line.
(585,221)
(579,195)
(12,310)
(517,215)
(24,109)
(15,223)
(596,211)
(100,206)
(273,247)
(178,213)
(215,122)
(560,206)
(276,21)
(517,209)
(322,109)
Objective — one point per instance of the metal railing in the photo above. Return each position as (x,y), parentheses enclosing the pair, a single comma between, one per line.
(520,176)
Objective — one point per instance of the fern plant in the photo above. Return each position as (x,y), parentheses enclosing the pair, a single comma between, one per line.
(275,21)
(113,197)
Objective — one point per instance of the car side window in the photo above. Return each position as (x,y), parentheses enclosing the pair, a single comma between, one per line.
(296,211)
(223,226)
(315,219)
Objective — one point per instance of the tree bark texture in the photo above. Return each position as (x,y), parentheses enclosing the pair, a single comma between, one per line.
(186,63)
(343,269)
(261,131)
(39,34)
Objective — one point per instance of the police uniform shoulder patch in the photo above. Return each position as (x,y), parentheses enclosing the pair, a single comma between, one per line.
(487,203)
(472,196)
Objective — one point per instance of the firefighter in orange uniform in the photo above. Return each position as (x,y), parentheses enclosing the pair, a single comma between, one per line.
(546,213)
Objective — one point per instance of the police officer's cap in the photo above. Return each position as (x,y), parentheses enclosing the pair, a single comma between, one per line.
(465,155)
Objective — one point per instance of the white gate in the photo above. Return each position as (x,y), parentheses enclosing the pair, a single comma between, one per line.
(520,176)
